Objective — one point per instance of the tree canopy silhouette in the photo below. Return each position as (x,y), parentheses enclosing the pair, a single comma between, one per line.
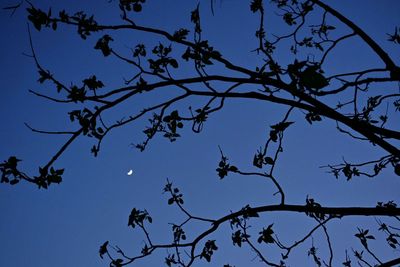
(297,68)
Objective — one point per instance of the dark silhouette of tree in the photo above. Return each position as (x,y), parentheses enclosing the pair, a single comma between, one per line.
(349,99)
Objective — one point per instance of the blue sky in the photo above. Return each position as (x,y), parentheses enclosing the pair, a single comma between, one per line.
(65,225)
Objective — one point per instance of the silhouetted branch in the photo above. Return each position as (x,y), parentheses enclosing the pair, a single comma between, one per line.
(13,8)
(47,132)
(296,82)
(368,40)
(390,263)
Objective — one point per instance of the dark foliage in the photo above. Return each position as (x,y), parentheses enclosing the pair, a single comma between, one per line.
(302,85)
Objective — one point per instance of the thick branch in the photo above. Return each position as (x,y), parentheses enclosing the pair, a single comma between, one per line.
(390,263)
(338,211)
(358,126)
(334,211)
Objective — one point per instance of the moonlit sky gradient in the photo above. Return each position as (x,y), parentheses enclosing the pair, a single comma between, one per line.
(65,225)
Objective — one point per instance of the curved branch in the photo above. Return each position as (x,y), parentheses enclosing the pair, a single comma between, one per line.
(390,263)
(367,39)
(47,132)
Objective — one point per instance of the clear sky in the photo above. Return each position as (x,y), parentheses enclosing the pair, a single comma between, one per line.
(65,225)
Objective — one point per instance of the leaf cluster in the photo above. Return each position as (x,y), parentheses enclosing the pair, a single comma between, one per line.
(278,129)
(266,235)
(131,5)
(138,217)
(260,159)
(87,121)
(363,236)
(201,53)
(224,167)
(179,233)
(238,237)
(163,61)
(173,122)
(176,196)
(47,177)
(209,248)
(103,45)
(39,18)
(312,204)
(9,172)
